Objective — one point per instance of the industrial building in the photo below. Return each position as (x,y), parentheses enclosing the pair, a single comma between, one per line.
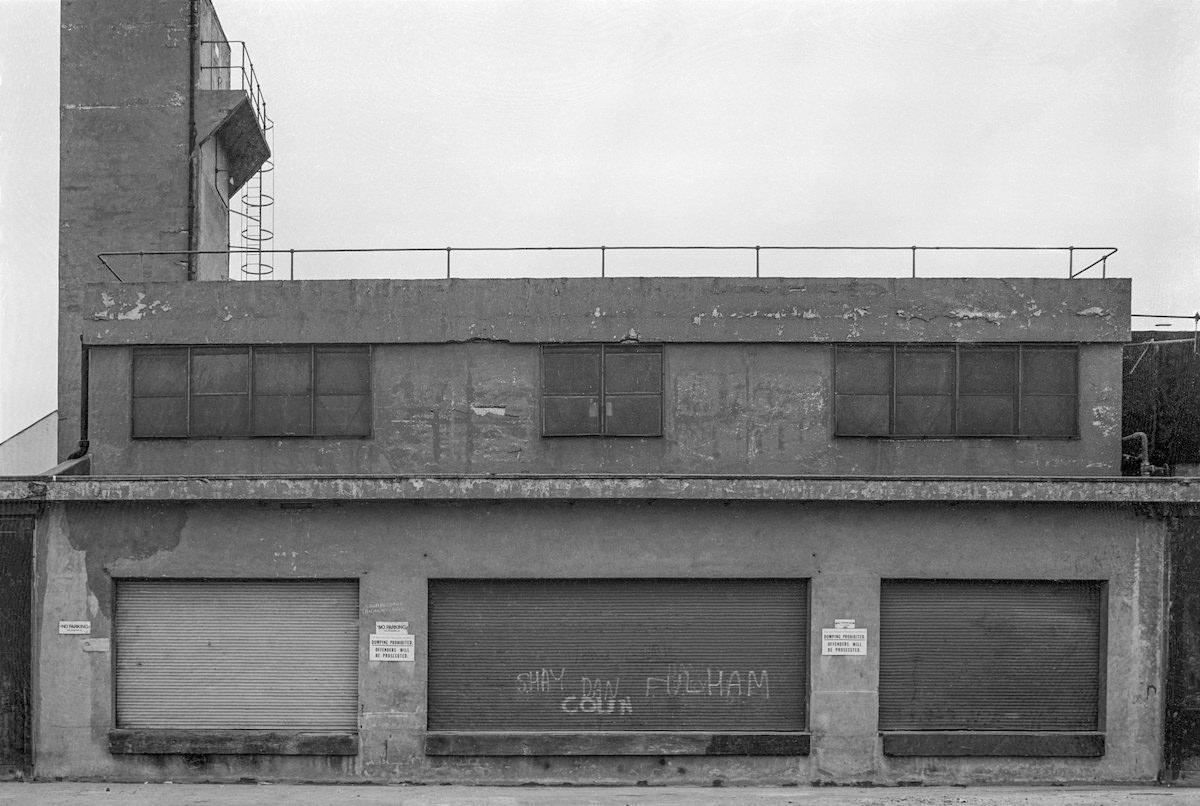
(591,530)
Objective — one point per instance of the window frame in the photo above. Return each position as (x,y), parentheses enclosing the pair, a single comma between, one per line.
(1018,394)
(248,432)
(602,351)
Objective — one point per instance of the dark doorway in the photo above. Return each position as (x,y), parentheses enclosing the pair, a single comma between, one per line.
(1181,757)
(16,573)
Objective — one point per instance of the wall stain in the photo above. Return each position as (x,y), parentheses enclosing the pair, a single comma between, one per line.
(107,533)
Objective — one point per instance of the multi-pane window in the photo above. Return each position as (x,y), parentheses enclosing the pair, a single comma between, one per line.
(602,390)
(956,390)
(277,391)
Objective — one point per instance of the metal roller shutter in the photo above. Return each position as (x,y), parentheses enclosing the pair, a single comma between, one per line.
(265,655)
(984,655)
(618,655)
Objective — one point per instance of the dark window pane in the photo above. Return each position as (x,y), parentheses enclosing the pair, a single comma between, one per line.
(985,414)
(864,370)
(924,372)
(926,415)
(571,372)
(343,371)
(160,372)
(219,370)
(282,415)
(219,415)
(632,372)
(282,371)
(863,415)
(342,415)
(566,416)
(1049,416)
(1048,371)
(633,415)
(160,416)
(987,371)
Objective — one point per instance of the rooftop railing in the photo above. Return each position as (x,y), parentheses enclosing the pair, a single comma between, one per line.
(465,262)
(227,66)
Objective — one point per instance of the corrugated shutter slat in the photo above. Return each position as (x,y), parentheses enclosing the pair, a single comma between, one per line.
(957,655)
(582,655)
(265,655)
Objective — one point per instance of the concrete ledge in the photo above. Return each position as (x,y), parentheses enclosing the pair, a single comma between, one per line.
(232,742)
(615,743)
(1182,494)
(1011,744)
(229,115)
(595,309)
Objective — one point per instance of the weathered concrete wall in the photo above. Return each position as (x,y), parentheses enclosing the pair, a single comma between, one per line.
(730,408)
(128,75)
(212,201)
(611,310)
(394,548)
(124,162)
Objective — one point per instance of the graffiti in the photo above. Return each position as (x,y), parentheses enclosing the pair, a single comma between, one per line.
(540,681)
(602,696)
(597,705)
(682,681)
(598,696)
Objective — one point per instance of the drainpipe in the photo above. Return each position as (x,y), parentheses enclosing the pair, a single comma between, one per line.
(83,401)
(1145,468)
(193,46)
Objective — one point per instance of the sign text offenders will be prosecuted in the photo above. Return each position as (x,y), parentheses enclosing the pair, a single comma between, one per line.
(843,642)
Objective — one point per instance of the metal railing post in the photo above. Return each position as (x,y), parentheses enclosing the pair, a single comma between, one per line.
(193,256)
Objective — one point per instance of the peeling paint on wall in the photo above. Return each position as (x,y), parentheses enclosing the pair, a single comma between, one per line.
(975,313)
(135,312)
(1107,419)
(484,411)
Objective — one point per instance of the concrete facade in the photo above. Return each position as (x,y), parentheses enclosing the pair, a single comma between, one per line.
(748,386)
(143,165)
(394,547)
(456,482)
(730,409)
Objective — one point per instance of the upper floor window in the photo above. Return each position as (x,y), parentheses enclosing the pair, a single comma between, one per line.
(956,390)
(602,390)
(273,391)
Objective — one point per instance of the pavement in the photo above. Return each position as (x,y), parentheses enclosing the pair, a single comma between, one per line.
(112,794)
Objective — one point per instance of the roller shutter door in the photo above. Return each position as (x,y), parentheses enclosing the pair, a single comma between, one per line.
(992,656)
(266,655)
(618,655)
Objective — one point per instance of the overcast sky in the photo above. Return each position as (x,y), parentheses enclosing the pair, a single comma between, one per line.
(404,123)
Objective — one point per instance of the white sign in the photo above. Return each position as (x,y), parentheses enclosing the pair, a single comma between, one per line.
(394,647)
(843,624)
(74,628)
(843,642)
(391,627)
